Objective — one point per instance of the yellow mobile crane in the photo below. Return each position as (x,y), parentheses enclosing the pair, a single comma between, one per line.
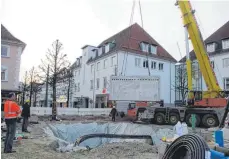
(209,109)
(213,97)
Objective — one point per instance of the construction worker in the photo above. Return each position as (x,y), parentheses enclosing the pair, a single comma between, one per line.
(25,114)
(11,112)
(113,113)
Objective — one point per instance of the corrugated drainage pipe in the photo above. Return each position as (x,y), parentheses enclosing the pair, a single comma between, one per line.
(190,146)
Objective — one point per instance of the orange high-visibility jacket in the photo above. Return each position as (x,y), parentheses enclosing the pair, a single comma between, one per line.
(11,110)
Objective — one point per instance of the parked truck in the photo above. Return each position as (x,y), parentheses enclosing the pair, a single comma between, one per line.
(207,106)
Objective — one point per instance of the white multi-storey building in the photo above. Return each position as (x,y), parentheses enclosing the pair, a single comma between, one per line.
(131,52)
(217,46)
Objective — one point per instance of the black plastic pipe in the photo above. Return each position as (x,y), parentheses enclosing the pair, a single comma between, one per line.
(85,137)
(187,146)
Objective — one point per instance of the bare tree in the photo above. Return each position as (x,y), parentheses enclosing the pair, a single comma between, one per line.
(35,85)
(55,61)
(24,87)
(69,76)
(181,81)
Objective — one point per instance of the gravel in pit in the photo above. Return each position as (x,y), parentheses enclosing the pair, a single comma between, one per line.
(38,144)
(124,150)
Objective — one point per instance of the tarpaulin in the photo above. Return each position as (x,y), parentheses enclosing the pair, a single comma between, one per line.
(69,133)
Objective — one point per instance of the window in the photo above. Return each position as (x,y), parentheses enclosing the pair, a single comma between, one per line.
(100,51)
(153,65)
(107,48)
(137,62)
(91,84)
(78,73)
(4,73)
(226,83)
(92,68)
(113,61)
(211,47)
(78,87)
(226,62)
(145,64)
(105,63)
(161,65)
(5,51)
(153,49)
(104,82)
(98,66)
(225,44)
(97,83)
(144,47)
(213,64)
(96,53)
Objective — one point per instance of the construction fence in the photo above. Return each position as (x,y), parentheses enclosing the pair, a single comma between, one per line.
(42,111)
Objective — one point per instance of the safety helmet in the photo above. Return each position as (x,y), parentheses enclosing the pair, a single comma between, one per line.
(27,101)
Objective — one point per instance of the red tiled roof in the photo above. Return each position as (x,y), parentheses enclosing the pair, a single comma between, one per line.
(6,35)
(129,40)
(217,37)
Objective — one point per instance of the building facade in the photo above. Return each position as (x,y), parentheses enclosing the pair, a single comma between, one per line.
(11,51)
(131,52)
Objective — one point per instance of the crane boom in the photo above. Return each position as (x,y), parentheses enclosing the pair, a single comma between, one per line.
(189,21)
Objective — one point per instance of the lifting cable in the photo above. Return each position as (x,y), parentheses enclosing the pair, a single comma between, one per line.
(147,58)
(126,53)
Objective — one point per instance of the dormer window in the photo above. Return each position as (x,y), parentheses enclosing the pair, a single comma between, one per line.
(144,47)
(100,51)
(107,47)
(96,53)
(225,43)
(153,49)
(103,49)
(211,47)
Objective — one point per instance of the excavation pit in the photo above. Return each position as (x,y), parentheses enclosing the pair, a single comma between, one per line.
(65,136)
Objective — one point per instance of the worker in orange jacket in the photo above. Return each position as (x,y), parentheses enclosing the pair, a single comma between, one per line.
(11,112)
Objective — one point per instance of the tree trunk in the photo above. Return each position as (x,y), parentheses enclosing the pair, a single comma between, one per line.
(68,95)
(54,111)
(31,94)
(23,95)
(35,99)
(24,89)
(31,87)
(46,89)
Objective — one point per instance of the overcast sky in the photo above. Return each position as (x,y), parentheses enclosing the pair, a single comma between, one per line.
(79,22)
